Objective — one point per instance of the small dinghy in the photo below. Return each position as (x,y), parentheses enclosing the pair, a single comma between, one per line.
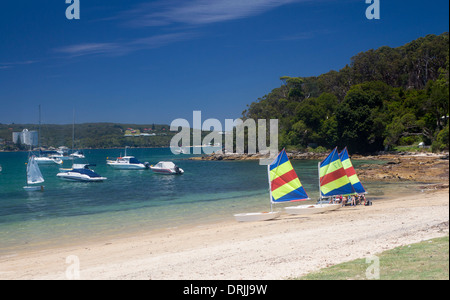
(310,209)
(284,186)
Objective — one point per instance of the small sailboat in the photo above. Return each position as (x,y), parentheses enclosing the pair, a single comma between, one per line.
(34,176)
(75,154)
(333,180)
(45,159)
(351,173)
(284,186)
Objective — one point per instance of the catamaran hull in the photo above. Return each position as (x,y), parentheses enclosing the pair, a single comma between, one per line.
(253,217)
(310,209)
(31,188)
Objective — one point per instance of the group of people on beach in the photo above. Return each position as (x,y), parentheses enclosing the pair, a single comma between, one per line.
(351,200)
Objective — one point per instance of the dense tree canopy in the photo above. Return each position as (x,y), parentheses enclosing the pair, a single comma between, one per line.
(385,97)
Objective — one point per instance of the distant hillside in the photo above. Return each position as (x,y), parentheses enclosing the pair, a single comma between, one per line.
(92,135)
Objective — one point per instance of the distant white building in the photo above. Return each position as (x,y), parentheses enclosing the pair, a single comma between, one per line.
(29,138)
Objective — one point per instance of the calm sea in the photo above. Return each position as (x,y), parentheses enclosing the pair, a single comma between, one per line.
(130,201)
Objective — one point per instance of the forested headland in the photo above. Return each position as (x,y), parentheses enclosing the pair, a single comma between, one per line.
(384,98)
(90,135)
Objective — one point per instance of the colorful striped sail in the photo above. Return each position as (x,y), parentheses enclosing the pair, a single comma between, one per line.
(351,173)
(333,178)
(284,183)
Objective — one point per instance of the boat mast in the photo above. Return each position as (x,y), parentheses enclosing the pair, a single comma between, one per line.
(320,193)
(73,130)
(39,130)
(270,189)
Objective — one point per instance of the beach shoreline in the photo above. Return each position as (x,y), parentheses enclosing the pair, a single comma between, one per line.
(288,247)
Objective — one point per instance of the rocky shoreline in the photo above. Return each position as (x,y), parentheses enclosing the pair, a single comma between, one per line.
(423,167)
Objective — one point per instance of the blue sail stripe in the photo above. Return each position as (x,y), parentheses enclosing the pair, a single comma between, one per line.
(279,160)
(298,194)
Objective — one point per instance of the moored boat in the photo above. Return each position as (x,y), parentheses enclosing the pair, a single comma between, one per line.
(127,163)
(310,209)
(167,168)
(80,172)
(34,176)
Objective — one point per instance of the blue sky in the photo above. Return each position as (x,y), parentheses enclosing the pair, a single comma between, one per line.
(154,61)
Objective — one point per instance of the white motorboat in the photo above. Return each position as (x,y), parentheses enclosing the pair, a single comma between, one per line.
(77,154)
(127,163)
(167,168)
(80,172)
(48,160)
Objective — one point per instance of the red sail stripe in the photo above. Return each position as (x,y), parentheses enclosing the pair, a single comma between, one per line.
(330,177)
(350,171)
(283,179)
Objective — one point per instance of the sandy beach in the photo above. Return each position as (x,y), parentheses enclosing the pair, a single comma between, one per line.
(287,247)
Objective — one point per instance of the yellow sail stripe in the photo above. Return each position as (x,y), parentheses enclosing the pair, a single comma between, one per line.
(354,179)
(347,163)
(329,168)
(280,170)
(334,184)
(286,188)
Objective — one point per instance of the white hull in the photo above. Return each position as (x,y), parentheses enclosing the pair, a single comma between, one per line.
(61,157)
(31,188)
(310,209)
(122,166)
(79,177)
(167,171)
(252,217)
(47,160)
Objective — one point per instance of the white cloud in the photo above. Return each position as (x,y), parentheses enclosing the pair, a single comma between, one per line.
(198,12)
(174,12)
(90,48)
(115,48)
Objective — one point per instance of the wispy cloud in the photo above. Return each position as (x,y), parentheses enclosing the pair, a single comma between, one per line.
(121,48)
(193,13)
(9,65)
(91,48)
(197,12)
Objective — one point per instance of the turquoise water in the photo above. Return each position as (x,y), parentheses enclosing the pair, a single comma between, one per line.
(130,201)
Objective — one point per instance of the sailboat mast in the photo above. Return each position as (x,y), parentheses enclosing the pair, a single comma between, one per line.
(270,189)
(39,130)
(73,130)
(320,193)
